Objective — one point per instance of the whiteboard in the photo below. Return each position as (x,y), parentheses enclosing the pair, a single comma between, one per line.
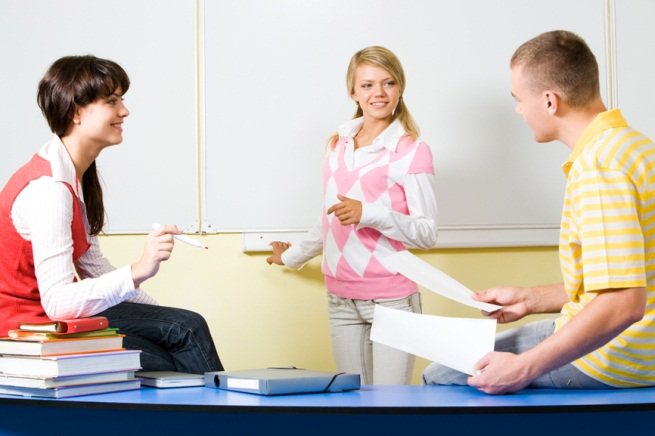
(237,145)
(152,175)
(635,63)
(274,77)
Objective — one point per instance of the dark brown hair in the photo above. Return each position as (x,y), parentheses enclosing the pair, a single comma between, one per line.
(71,82)
(562,60)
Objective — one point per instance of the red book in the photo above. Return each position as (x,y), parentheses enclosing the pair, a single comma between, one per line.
(67,325)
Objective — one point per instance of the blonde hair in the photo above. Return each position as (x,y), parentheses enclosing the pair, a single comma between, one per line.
(563,60)
(382,58)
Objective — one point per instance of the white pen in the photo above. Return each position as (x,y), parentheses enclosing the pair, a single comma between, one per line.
(183,238)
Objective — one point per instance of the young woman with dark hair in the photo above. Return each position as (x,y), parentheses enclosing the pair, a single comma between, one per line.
(51,211)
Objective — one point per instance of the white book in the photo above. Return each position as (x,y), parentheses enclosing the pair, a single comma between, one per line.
(71,364)
(170,379)
(71,391)
(60,346)
(72,380)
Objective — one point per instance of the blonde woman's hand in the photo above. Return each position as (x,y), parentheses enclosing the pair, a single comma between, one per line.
(278,248)
(348,210)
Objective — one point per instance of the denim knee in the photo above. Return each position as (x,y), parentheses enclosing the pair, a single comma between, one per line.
(436,374)
(192,320)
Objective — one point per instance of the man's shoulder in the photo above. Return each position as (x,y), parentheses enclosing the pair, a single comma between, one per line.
(620,147)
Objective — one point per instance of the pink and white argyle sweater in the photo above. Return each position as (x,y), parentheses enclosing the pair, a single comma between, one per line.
(350,255)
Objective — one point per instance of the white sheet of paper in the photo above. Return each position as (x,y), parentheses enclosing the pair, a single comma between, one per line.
(454,342)
(433,279)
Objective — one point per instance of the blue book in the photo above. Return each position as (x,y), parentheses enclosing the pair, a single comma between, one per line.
(281,381)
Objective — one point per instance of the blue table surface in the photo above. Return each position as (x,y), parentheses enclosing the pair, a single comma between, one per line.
(410,397)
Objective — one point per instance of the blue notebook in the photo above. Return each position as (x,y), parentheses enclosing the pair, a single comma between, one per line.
(281,381)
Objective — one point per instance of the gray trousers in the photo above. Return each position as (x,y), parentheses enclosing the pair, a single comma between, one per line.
(354,352)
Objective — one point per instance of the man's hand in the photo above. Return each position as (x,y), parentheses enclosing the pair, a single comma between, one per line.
(501,373)
(513,300)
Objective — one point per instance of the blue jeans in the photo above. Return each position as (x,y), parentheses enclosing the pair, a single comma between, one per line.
(517,341)
(170,339)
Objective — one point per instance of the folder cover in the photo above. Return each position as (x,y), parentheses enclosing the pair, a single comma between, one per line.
(280,381)
(74,325)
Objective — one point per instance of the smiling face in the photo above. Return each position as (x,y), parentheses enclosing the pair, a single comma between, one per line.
(101,121)
(376,91)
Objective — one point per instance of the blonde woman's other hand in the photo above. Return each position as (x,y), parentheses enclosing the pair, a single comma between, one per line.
(348,210)
(278,248)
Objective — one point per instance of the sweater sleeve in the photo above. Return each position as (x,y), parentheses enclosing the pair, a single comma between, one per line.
(419,228)
(311,246)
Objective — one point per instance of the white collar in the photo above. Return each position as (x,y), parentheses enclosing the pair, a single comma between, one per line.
(388,138)
(61,164)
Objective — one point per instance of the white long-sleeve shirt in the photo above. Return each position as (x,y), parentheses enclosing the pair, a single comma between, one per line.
(42,214)
(417,230)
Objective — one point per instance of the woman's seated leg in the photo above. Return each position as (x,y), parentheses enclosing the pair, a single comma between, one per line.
(181,336)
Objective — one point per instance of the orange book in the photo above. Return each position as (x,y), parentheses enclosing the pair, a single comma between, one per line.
(67,325)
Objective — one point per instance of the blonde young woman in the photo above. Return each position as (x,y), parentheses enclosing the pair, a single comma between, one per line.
(378,199)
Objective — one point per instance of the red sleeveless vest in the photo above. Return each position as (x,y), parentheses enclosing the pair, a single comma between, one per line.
(20,300)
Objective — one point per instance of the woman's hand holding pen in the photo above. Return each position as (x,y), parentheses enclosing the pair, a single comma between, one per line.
(348,211)
(158,248)
(278,248)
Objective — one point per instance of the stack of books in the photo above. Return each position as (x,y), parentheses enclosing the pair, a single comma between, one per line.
(67,358)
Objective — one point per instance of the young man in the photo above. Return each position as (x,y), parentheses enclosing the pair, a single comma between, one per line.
(605,334)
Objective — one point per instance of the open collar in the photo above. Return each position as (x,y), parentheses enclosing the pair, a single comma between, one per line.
(387,139)
(61,164)
(603,121)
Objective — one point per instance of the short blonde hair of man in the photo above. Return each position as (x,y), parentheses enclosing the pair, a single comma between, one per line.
(560,60)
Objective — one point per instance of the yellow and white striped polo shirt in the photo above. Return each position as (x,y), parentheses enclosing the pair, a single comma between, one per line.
(607,241)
